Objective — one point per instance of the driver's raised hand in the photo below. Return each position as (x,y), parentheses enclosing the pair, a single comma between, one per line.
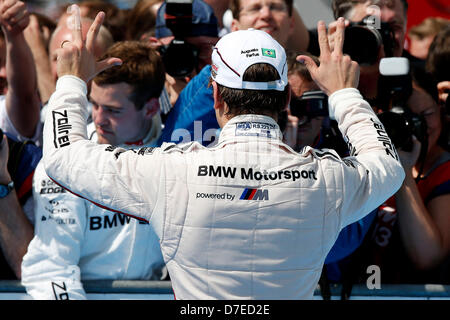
(336,71)
(77,57)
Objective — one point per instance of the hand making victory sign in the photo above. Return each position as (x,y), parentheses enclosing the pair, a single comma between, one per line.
(76,57)
(337,70)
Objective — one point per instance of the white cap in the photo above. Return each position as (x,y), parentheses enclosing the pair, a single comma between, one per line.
(238,50)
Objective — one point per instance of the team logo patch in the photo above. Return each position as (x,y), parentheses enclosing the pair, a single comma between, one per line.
(254,194)
(269,53)
(244,125)
(61,128)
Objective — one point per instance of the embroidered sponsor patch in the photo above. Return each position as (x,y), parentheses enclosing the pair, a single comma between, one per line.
(268,53)
(61,128)
(257,129)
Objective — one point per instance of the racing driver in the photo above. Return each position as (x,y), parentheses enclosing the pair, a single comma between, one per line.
(249,218)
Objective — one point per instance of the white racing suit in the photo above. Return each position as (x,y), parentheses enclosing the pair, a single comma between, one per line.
(76,240)
(247,219)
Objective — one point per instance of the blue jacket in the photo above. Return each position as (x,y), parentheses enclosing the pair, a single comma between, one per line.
(193,117)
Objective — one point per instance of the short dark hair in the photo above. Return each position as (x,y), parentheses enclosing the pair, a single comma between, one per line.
(142,68)
(438,59)
(342,7)
(423,81)
(235,7)
(268,102)
(141,20)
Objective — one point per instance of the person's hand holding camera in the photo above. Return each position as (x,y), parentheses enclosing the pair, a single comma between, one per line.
(409,158)
(336,71)
(443,90)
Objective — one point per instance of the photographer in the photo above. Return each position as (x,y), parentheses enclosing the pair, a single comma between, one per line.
(410,238)
(423,201)
(193,117)
(301,129)
(307,122)
(366,45)
(185,42)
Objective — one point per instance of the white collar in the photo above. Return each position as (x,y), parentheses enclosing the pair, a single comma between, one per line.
(251,126)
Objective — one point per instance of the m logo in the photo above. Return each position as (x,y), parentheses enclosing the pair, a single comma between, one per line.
(255,194)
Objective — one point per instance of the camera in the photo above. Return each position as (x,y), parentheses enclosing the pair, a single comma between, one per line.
(363,40)
(309,105)
(179,57)
(401,124)
(399,121)
(315,104)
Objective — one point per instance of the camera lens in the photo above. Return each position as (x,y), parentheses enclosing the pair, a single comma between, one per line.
(180,59)
(310,105)
(362,44)
(397,129)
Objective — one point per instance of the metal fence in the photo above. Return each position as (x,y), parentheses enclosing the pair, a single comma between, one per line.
(162,290)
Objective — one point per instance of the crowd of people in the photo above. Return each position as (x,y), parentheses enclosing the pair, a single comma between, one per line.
(92,186)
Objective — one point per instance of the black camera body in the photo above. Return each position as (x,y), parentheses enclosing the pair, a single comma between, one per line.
(179,57)
(309,105)
(315,104)
(394,90)
(363,40)
(401,124)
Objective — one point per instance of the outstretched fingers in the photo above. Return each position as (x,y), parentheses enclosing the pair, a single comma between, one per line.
(92,33)
(74,23)
(323,40)
(325,51)
(336,71)
(339,37)
(309,63)
(91,38)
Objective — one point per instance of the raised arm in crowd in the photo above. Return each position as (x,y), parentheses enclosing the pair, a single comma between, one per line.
(22,102)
